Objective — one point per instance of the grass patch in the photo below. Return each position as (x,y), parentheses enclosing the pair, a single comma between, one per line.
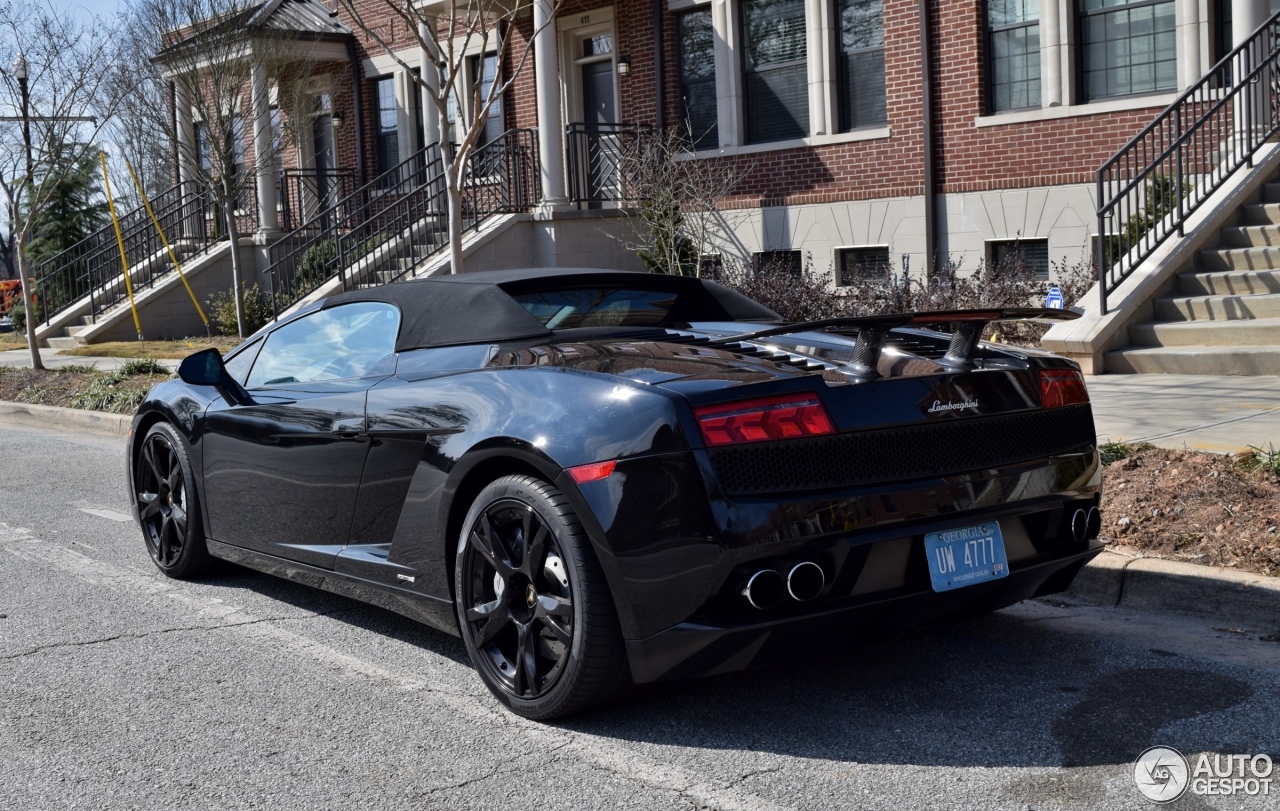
(167,350)
(9,343)
(1267,461)
(1112,452)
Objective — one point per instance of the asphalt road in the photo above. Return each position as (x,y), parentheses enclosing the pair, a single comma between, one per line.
(120,689)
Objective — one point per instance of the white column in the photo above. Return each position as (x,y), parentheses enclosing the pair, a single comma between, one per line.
(186,135)
(264,162)
(431,126)
(1050,54)
(815,30)
(546,74)
(1187,20)
(727,101)
(1246,16)
(405,129)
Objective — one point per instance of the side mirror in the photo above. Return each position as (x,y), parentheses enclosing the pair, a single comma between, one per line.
(205,368)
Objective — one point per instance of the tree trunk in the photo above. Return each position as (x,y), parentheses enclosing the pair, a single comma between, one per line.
(237,273)
(29,311)
(455,229)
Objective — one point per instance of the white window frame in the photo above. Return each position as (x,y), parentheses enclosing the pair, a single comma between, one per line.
(820,29)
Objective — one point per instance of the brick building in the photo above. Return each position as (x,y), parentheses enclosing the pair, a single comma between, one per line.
(822,103)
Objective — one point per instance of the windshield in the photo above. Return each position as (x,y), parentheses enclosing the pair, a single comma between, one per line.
(598,307)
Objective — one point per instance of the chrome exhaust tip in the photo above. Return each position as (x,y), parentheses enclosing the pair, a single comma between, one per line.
(1080,525)
(1094,521)
(765,589)
(805,581)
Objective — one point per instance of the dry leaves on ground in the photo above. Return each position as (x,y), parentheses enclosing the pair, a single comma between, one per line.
(1196,507)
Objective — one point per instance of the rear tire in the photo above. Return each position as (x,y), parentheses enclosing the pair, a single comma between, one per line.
(534,609)
(168,505)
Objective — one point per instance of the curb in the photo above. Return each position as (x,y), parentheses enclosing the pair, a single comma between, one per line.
(1225,596)
(57,418)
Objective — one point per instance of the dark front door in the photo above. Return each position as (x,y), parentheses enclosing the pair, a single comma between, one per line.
(282,472)
(600,114)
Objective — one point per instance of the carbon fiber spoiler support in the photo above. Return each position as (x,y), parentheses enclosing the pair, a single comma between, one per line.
(871,330)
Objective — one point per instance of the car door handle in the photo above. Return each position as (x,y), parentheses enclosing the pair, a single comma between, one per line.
(349,428)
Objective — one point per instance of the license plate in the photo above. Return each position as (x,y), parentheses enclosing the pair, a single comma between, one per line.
(965,556)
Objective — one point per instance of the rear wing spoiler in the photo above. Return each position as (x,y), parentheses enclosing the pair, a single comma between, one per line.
(870,332)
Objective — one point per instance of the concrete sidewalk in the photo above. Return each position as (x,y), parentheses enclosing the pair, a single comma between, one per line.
(1221,413)
(52,360)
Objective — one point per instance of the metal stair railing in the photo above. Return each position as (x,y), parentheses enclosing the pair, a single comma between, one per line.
(597,157)
(1148,189)
(91,267)
(501,178)
(382,231)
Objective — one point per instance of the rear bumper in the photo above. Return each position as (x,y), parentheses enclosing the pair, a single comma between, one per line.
(692,649)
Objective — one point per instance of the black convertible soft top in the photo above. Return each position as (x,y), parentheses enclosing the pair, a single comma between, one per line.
(477,307)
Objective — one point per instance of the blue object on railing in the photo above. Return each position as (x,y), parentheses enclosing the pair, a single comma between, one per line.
(1054,299)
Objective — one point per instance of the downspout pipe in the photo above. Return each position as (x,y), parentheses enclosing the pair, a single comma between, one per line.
(357,91)
(926,100)
(659,116)
(173,128)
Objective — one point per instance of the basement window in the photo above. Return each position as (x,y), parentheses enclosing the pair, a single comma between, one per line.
(1021,254)
(788,262)
(856,265)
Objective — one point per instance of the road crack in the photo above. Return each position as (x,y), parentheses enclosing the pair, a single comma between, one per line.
(182,629)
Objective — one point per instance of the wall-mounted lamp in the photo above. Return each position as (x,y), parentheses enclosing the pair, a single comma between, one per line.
(338,118)
(624,65)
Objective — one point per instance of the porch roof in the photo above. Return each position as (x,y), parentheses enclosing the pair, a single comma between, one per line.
(287,19)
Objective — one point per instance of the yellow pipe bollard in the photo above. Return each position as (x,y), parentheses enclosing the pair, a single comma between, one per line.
(124,260)
(176,264)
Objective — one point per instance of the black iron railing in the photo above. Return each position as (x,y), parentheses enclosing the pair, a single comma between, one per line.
(305,193)
(388,227)
(597,159)
(91,268)
(1148,189)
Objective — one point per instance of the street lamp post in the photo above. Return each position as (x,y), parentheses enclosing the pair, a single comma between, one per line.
(20,73)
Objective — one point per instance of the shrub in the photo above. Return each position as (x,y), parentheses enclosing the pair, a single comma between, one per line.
(810,295)
(316,265)
(221,308)
(1267,460)
(18,316)
(142,366)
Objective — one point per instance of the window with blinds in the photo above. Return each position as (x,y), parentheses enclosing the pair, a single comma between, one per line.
(484,71)
(790,263)
(775,73)
(1013,54)
(387,139)
(862,264)
(1127,49)
(698,79)
(862,95)
(1024,255)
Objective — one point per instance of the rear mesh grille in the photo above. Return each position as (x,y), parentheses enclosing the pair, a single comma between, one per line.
(897,454)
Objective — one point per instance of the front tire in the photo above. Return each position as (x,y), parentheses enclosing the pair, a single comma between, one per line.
(164,491)
(533,606)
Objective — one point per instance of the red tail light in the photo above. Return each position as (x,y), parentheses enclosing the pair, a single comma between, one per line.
(1060,387)
(786,416)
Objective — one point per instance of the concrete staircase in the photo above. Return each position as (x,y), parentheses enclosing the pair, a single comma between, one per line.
(1221,316)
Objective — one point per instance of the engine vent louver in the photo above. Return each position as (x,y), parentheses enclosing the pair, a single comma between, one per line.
(896,454)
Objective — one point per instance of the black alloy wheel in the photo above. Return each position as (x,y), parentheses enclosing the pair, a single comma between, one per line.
(164,494)
(534,610)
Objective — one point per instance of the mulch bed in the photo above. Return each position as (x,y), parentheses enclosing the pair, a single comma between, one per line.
(1191,506)
(119,393)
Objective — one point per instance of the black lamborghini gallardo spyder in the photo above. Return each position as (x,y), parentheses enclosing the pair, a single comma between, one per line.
(598,477)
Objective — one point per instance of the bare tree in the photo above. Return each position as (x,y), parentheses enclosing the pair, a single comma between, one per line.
(448,32)
(61,75)
(680,198)
(142,132)
(212,51)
